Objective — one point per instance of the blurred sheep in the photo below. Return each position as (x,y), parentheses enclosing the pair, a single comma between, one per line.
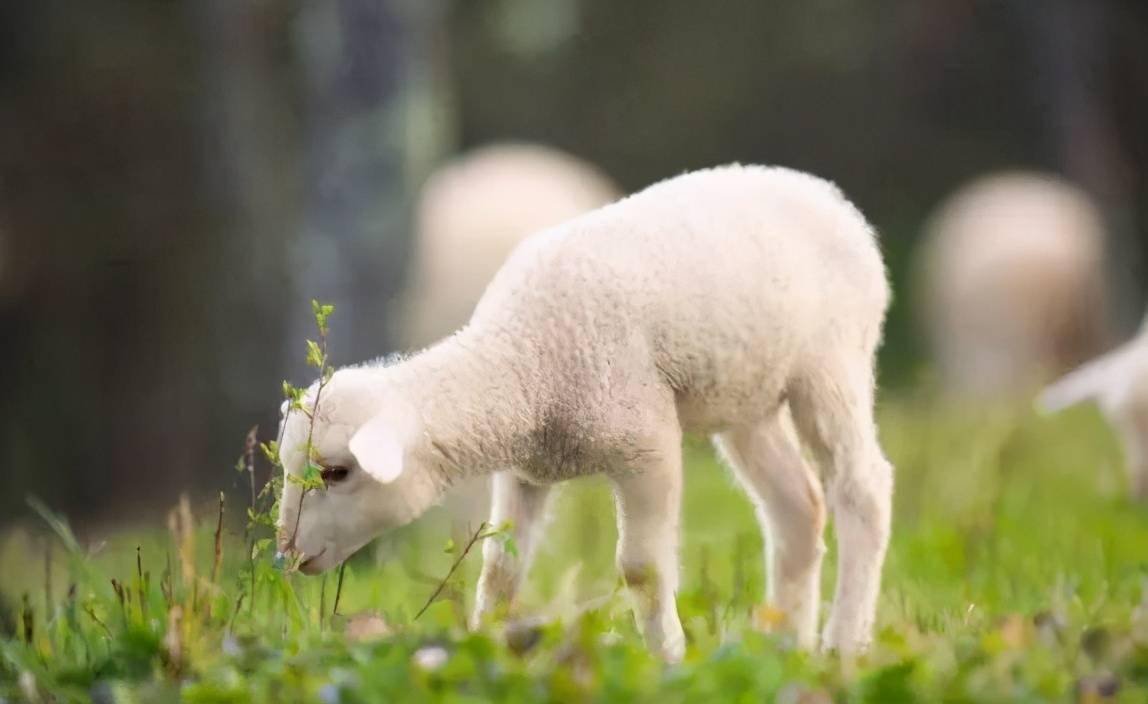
(471,213)
(1118,383)
(1011,284)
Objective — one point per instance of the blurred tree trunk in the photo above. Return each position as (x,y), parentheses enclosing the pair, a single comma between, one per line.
(107,372)
(1094,77)
(353,245)
(178,180)
(150,179)
(252,149)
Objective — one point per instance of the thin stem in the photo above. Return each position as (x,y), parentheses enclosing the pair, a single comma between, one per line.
(478,535)
(235,611)
(322,600)
(339,589)
(101,624)
(217,562)
(140,587)
(249,444)
(311,427)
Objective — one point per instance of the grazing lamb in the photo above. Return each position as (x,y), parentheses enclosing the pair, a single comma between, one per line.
(471,213)
(1012,284)
(715,302)
(1118,383)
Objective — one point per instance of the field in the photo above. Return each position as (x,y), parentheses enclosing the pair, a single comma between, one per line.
(1018,571)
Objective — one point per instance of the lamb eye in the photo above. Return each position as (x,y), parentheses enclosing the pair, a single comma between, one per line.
(334,475)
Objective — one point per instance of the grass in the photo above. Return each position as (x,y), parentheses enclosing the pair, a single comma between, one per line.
(1017,572)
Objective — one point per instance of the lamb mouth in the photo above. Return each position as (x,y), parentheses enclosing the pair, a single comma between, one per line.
(305,563)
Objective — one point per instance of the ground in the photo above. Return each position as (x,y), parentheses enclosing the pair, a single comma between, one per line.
(1018,571)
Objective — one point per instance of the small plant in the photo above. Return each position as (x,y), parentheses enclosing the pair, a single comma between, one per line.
(311,478)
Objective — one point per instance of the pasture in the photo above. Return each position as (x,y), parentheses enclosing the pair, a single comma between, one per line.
(1018,571)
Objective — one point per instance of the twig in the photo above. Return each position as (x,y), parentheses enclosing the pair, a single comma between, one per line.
(218,543)
(478,535)
(249,445)
(140,587)
(28,620)
(235,611)
(310,435)
(119,590)
(338,589)
(101,624)
(165,584)
(322,600)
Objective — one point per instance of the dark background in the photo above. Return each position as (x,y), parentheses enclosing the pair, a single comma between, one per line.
(179,179)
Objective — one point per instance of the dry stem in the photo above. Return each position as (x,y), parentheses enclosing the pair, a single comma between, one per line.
(478,535)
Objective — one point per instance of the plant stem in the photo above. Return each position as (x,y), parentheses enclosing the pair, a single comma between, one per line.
(339,589)
(218,560)
(311,428)
(478,535)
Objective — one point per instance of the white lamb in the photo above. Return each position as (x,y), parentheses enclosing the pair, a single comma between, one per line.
(471,213)
(1011,280)
(712,302)
(1118,383)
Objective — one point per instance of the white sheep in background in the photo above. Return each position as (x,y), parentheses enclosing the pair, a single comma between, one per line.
(1118,383)
(1012,283)
(471,213)
(714,302)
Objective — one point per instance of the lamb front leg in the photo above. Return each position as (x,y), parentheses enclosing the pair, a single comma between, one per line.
(648,503)
(522,505)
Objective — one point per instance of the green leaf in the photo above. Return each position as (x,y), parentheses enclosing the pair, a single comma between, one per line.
(509,545)
(290,392)
(271,452)
(310,479)
(315,356)
(321,311)
(259,547)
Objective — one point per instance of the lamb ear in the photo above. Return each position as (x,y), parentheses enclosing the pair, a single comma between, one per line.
(379,448)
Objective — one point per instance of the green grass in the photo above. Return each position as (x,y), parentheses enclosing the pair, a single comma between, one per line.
(1016,572)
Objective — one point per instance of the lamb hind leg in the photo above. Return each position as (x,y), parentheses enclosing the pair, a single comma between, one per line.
(648,502)
(791,510)
(834,414)
(522,505)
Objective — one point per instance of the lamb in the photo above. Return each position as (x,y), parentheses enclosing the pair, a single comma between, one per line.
(470,214)
(1012,284)
(1118,383)
(721,302)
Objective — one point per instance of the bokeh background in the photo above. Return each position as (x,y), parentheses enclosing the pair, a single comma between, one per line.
(179,179)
